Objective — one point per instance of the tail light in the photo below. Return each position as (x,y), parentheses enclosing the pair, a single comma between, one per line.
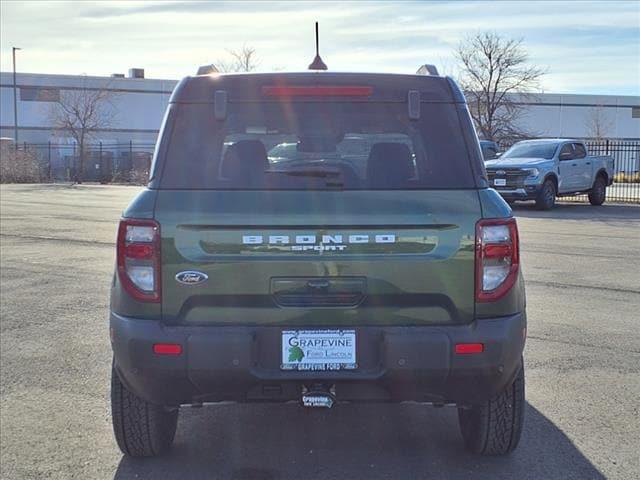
(139,258)
(497,258)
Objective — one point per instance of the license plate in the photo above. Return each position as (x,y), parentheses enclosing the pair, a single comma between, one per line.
(500,182)
(318,350)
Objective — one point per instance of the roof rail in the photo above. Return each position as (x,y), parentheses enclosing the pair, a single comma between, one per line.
(207,69)
(427,69)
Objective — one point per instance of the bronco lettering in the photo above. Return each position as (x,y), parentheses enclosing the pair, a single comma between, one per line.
(310,239)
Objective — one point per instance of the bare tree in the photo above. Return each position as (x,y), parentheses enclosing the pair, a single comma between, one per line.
(241,60)
(597,123)
(79,114)
(496,78)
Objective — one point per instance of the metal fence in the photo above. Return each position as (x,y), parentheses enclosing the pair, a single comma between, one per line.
(130,162)
(626,168)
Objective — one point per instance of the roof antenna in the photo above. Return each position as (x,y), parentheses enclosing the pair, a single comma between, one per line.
(317,63)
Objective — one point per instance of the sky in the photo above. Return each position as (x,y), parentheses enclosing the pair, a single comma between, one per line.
(586,47)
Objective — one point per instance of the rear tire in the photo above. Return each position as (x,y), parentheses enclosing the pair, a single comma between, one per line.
(546,198)
(494,427)
(598,192)
(142,429)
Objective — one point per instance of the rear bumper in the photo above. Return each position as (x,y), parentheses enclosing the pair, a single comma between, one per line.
(243,363)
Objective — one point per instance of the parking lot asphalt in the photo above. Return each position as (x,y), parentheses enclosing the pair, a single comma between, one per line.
(582,268)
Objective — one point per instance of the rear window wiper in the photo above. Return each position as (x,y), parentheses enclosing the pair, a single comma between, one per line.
(332,175)
(308,172)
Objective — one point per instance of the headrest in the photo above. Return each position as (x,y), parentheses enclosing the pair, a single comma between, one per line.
(244,163)
(390,165)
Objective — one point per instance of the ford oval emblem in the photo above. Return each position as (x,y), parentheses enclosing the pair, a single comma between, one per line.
(191,277)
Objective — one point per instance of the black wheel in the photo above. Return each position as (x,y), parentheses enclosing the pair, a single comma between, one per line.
(494,427)
(598,192)
(546,199)
(142,429)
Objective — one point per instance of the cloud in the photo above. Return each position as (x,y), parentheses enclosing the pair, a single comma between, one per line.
(587,46)
(104,10)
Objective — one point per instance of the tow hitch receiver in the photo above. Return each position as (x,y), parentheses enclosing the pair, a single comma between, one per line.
(318,396)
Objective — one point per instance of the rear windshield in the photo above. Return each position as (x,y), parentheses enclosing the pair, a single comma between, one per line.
(314,145)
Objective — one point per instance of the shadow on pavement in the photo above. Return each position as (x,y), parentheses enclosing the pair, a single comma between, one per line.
(63,186)
(580,211)
(269,442)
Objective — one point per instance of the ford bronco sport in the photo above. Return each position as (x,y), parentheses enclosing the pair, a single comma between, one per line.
(317,237)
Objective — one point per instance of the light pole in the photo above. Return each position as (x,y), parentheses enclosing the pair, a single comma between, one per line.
(15,99)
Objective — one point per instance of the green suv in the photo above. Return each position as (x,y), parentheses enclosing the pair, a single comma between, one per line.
(364,259)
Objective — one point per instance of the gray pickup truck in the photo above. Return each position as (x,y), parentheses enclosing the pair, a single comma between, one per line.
(542,170)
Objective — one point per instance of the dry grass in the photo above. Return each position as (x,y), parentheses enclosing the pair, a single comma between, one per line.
(18,166)
(627,177)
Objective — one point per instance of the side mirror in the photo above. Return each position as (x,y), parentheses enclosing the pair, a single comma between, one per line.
(566,156)
(499,154)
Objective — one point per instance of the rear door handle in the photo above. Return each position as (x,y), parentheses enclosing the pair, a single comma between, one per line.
(574,164)
(588,163)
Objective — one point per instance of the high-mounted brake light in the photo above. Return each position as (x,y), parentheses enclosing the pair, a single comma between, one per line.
(138,258)
(317,91)
(497,258)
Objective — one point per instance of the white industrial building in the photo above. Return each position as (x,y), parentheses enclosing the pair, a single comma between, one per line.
(140,103)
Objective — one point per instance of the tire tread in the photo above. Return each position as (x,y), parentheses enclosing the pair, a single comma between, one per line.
(142,429)
(495,427)
(541,203)
(594,199)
